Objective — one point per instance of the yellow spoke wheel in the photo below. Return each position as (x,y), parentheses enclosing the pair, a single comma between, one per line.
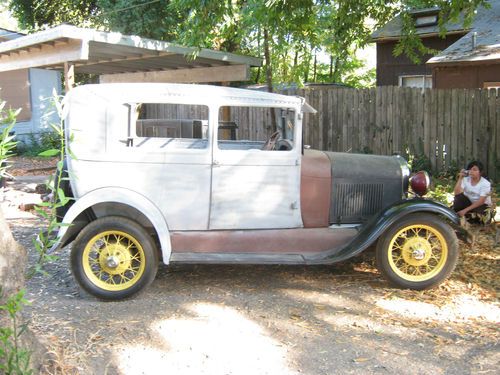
(417,252)
(113,258)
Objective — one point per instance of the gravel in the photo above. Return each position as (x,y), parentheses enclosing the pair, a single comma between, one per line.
(213,319)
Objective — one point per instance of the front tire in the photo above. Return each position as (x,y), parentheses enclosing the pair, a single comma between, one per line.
(418,252)
(113,258)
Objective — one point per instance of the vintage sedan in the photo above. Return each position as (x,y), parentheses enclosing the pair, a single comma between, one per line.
(195,174)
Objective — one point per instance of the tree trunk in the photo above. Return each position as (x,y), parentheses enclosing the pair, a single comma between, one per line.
(331,68)
(269,75)
(315,67)
(267,56)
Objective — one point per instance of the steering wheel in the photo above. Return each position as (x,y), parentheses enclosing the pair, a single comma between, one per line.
(271,142)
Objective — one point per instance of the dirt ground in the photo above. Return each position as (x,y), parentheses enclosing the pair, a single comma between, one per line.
(211,319)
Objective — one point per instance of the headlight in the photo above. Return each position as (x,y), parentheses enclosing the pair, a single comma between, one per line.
(420,183)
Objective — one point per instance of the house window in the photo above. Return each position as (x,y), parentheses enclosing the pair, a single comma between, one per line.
(426,20)
(420,81)
(491,85)
(15,90)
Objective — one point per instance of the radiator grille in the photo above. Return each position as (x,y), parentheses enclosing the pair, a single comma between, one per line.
(355,202)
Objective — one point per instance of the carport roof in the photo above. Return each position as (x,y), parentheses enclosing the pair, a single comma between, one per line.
(98,52)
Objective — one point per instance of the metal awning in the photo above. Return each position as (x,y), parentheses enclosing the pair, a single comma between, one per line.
(110,53)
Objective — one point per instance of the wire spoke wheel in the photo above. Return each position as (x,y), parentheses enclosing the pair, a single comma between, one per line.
(113,258)
(417,252)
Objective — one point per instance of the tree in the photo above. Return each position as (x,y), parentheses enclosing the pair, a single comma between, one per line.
(12,255)
(37,14)
(150,19)
(291,35)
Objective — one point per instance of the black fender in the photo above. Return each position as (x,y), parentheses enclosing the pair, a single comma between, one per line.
(375,227)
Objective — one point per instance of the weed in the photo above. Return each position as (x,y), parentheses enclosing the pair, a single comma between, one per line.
(7,143)
(48,210)
(14,360)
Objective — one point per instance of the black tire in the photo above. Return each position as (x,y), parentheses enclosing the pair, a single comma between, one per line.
(113,258)
(418,252)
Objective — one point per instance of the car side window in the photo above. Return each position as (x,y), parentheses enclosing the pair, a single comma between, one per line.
(179,125)
(255,128)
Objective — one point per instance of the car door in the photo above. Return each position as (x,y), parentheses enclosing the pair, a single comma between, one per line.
(254,188)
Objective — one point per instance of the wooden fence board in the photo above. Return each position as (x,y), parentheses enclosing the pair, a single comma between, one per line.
(427,121)
(419,97)
(460,134)
(491,130)
(330,120)
(496,157)
(433,107)
(482,137)
(453,154)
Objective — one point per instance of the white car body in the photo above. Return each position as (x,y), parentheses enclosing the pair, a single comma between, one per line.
(176,185)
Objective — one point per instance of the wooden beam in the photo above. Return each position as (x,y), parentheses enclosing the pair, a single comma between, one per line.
(46,55)
(197,75)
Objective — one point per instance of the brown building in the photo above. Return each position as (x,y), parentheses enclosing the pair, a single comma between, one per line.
(457,65)
(474,60)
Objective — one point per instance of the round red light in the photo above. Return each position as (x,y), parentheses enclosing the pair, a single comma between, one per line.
(420,182)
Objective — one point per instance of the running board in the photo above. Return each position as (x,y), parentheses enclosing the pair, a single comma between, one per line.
(237,258)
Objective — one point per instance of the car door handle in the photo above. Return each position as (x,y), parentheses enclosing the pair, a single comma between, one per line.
(216,162)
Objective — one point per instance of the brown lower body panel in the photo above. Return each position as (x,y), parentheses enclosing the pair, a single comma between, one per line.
(273,241)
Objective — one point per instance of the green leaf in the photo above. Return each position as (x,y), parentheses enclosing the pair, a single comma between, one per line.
(48,153)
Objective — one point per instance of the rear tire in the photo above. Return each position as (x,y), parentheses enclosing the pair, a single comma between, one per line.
(418,252)
(113,258)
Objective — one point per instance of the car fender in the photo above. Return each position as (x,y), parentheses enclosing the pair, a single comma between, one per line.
(374,228)
(116,195)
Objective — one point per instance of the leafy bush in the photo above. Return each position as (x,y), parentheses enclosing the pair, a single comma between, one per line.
(419,162)
(442,190)
(38,143)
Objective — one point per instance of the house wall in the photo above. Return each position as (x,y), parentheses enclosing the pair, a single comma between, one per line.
(465,76)
(41,84)
(390,67)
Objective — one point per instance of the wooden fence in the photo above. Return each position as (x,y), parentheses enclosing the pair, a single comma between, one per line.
(449,127)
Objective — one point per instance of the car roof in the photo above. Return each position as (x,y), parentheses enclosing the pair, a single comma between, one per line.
(182,93)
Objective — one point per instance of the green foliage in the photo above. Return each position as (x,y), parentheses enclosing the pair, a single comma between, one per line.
(14,360)
(419,162)
(294,37)
(442,190)
(38,143)
(34,15)
(151,19)
(7,142)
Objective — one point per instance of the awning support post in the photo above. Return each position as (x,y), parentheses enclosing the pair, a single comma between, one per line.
(69,76)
